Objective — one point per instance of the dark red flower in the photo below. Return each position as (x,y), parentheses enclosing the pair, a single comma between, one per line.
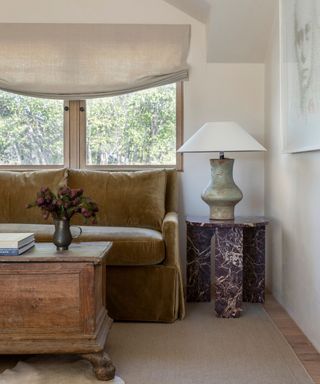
(40,200)
(65,204)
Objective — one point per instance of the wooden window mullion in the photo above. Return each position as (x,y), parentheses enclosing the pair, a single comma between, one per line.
(179,124)
(74,134)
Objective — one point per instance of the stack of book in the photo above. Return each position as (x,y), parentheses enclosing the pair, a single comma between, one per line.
(14,244)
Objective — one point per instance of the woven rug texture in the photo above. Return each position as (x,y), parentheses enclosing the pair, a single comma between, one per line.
(198,350)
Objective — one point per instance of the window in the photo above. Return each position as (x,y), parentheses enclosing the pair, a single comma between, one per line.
(135,130)
(31,131)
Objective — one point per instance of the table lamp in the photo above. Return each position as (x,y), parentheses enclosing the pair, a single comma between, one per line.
(222,194)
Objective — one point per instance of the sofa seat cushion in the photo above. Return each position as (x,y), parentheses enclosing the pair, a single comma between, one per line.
(131,246)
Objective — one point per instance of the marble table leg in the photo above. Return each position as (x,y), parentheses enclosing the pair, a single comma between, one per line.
(254,264)
(199,263)
(229,271)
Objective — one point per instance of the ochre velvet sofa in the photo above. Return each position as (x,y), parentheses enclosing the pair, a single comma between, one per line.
(137,211)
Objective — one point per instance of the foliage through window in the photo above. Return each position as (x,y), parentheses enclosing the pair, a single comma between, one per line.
(31,130)
(133,129)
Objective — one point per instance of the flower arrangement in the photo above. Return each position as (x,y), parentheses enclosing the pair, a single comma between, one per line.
(66,203)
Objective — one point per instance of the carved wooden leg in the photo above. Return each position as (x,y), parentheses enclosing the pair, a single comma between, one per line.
(102,365)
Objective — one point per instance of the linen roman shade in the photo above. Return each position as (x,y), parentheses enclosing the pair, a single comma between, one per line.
(80,61)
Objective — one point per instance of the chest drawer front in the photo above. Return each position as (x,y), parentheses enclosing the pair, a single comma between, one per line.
(43,298)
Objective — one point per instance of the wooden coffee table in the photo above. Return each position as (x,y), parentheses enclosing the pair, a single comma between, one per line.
(54,302)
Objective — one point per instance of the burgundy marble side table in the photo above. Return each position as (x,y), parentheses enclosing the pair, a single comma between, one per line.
(239,262)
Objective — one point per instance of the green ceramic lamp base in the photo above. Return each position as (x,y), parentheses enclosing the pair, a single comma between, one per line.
(222,194)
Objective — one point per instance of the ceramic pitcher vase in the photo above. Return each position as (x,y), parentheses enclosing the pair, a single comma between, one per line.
(62,237)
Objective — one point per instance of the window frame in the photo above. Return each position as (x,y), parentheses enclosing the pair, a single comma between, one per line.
(75,140)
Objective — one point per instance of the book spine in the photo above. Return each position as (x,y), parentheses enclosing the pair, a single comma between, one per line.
(9,252)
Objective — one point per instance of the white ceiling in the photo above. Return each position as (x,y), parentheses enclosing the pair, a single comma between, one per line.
(238,31)
(198,9)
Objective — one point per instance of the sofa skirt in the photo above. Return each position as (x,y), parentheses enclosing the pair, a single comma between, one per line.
(143,293)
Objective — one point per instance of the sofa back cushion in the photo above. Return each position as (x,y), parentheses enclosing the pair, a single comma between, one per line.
(129,199)
(17,189)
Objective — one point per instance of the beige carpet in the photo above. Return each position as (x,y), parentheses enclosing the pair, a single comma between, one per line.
(201,349)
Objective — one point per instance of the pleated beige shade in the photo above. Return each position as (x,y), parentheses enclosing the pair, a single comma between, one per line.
(80,61)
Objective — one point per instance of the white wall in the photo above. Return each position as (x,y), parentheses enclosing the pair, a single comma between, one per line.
(214,92)
(292,190)
(235,36)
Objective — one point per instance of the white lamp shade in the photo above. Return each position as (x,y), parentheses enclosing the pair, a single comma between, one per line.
(225,136)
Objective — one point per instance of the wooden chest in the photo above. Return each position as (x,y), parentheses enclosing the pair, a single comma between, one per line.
(54,302)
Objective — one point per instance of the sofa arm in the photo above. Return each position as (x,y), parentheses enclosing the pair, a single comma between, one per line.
(170,233)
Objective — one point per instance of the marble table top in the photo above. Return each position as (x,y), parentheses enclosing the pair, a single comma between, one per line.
(239,221)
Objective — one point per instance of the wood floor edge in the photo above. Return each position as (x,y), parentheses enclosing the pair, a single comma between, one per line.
(301,345)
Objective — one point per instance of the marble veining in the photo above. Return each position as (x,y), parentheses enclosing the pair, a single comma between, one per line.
(199,263)
(229,271)
(239,263)
(238,221)
(254,265)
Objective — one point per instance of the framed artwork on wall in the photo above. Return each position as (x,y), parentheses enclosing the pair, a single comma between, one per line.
(300,74)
